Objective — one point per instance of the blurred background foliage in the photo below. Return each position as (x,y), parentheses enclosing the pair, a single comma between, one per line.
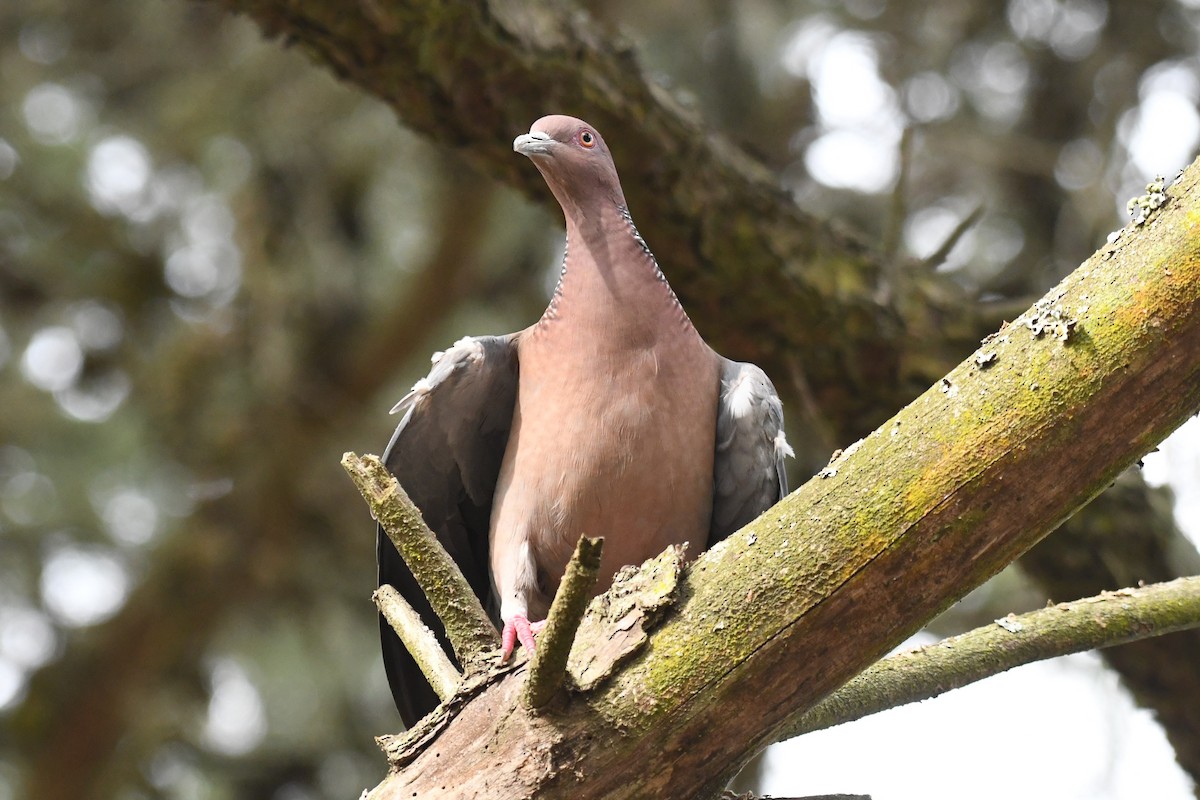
(219,268)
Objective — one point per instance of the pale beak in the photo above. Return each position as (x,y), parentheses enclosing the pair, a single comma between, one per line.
(534,143)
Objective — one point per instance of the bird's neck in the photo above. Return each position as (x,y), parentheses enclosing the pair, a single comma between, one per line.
(610,279)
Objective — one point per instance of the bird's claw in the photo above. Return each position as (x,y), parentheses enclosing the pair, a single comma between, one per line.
(518,629)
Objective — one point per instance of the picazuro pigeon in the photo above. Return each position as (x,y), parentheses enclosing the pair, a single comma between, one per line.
(608,417)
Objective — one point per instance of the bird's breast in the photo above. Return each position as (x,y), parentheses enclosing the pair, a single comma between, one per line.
(612,442)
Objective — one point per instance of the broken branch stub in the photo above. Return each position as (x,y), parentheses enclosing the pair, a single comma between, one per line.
(548,665)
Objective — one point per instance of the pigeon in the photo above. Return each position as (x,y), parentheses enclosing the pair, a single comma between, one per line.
(609,416)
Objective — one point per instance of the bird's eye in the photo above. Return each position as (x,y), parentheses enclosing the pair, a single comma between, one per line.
(587,139)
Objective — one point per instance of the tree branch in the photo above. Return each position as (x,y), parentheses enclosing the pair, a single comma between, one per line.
(752,796)
(1109,619)
(419,640)
(1132,539)
(470,631)
(943,496)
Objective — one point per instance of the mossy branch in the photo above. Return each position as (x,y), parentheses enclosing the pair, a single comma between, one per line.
(418,639)
(471,633)
(785,611)
(1108,619)
(548,668)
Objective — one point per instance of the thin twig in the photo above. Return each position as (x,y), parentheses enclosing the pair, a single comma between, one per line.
(1105,620)
(811,416)
(549,665)
(470,631)
(937,257)
(894,224)
(419,640)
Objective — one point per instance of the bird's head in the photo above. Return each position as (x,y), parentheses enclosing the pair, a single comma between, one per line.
(574,160)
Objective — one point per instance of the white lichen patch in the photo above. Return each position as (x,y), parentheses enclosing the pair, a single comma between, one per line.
(985,358)
(1142,207)
(1049,317)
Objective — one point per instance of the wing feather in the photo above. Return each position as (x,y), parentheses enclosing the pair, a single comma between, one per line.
(446,453)
(748,470)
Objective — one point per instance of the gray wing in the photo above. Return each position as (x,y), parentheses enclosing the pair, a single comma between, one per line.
(748,471)
(446,453)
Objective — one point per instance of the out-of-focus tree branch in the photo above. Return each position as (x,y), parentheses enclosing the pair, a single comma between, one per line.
(1133,540)
(233,546)
(762,279)
(1103,621)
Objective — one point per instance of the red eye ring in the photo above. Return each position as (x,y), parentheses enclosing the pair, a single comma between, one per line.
(587,138)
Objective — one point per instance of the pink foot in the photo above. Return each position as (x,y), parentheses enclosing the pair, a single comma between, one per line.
(518,628)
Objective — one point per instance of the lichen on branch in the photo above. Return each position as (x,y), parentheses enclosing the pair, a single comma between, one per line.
(470,631)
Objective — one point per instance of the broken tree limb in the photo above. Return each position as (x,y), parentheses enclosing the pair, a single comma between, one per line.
(548,665)
(1106,620)
(471,633)
(418,640)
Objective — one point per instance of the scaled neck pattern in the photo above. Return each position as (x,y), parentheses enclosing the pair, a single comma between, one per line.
(552,309)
